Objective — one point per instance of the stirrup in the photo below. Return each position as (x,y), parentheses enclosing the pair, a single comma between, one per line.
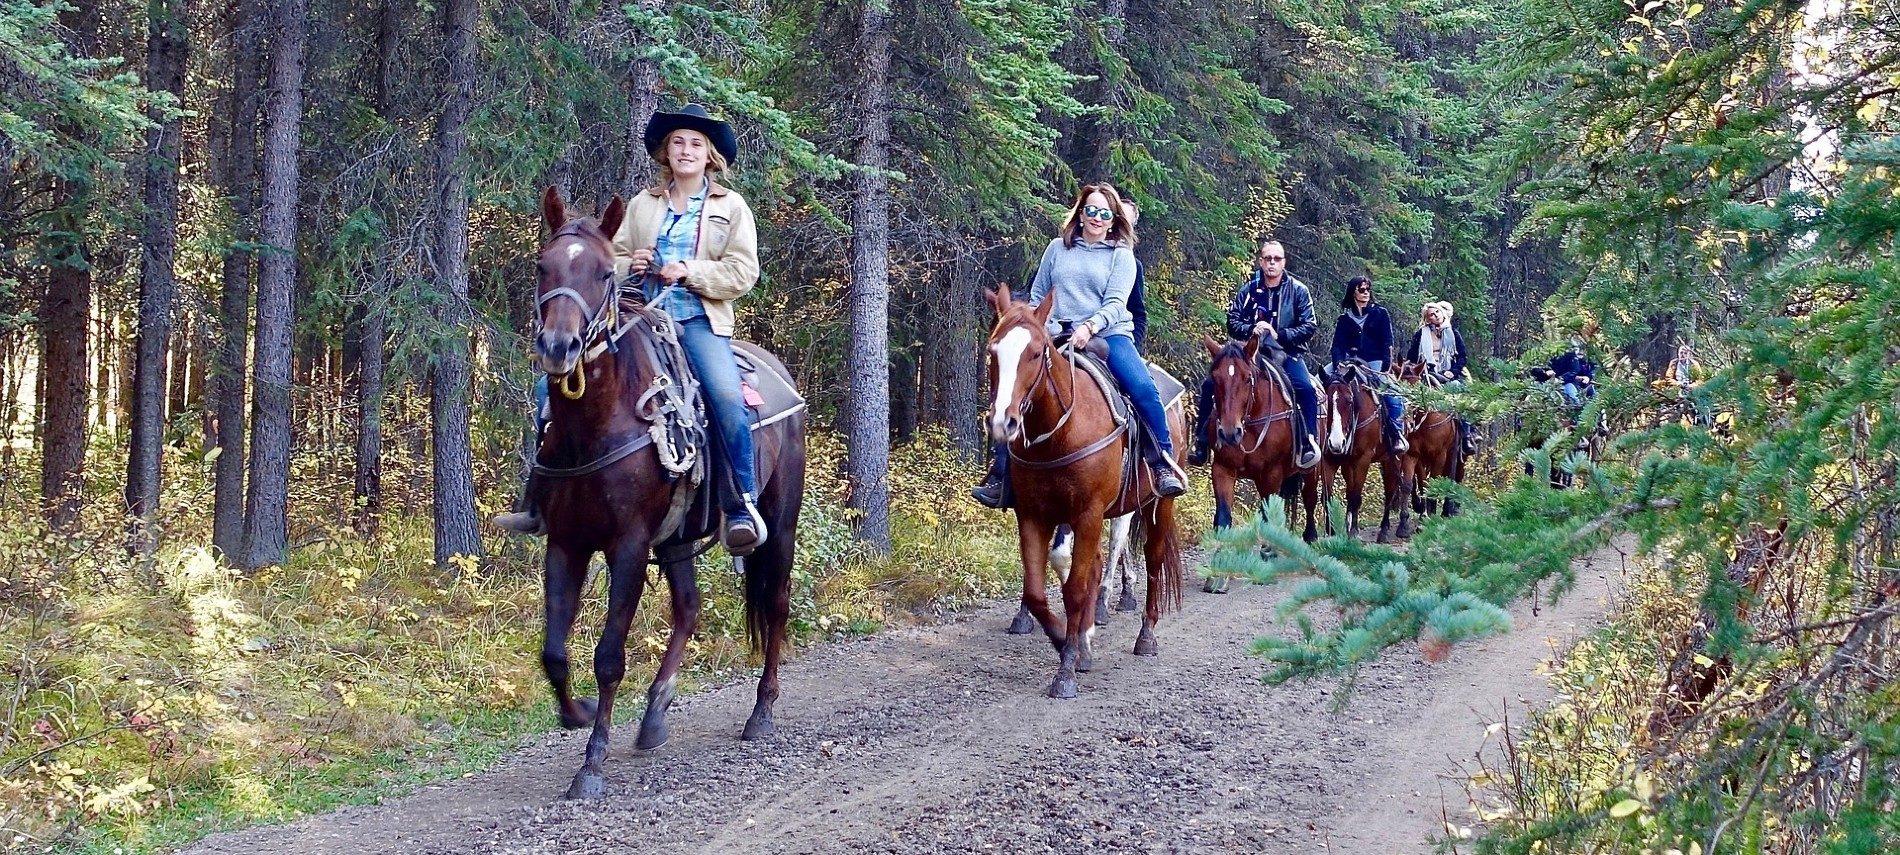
(1309,455)
(745,533)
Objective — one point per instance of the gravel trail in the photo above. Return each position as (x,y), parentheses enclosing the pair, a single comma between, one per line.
(940,739)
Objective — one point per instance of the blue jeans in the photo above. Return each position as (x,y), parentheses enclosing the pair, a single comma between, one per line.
(1394,405)
(1575,396)
(1304,390)
(1132,373)
(718,373)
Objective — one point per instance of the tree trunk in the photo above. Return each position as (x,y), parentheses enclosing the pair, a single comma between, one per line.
(165,50)
(266,522)
(643,99)
(455,531)
(965,368)
(63,332)
(240,175)
(868,427)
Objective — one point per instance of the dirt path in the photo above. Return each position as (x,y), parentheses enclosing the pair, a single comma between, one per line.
(941,740)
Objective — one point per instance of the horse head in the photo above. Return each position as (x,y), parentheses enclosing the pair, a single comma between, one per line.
(1342,405)
(1020,350)
(575,288)
(1234,370)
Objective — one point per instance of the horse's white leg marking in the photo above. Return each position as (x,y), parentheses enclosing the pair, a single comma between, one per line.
(1009,354)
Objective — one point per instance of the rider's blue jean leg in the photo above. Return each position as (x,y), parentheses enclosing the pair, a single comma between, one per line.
(718,373)
(1571,395)
(1308,394)
(1132,373)
(540,395)
(1394,409)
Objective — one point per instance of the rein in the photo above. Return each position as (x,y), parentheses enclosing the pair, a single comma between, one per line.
(1256,375)
(1043,379)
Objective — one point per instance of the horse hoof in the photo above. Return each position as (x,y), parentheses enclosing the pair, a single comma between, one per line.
(588,709)
(653,734)
(1022,625)
(758,727)
(1126,603)
(1062,689)
(1101,617)
(1385,536)
(587,785)
(1145,644)
(1085,662)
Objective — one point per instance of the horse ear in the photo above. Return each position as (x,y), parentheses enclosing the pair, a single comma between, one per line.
(1213,347)
(1253,348)
(610,218)
(1048,306)
(553,212)
(1000,298)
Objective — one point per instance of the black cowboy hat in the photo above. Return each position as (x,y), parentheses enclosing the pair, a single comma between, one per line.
(692,117)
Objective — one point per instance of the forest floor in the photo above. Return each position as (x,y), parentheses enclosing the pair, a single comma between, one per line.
(941,739)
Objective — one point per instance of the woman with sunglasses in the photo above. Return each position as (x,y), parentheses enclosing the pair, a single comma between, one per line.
(1090,271)
(1364,332)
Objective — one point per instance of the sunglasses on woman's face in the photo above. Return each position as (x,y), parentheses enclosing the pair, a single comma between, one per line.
(1094,213)
(1362,290)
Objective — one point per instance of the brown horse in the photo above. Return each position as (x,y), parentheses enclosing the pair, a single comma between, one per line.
(1437,448)
(1067,459)
(611,494)
(1354,440)
(1252,433)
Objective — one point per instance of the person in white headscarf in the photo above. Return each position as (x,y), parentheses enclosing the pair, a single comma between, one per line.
(1438,344)
(1441,348)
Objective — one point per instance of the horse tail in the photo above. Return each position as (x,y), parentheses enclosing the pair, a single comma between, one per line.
(1160,520)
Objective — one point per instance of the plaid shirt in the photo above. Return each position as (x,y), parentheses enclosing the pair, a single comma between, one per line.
(678,240)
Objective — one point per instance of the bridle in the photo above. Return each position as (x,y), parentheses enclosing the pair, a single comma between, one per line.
(602,331)
(1254,373)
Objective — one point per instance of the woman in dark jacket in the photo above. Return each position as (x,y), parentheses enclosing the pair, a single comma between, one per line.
(1364,332)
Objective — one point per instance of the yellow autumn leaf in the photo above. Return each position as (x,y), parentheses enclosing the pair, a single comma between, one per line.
(1625,808)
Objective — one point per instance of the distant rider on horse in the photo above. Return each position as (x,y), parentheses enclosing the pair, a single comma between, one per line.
(1278,307)
(1364,333)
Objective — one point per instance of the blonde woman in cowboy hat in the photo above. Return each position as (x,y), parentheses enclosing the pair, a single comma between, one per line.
(1441,347)
(693,245)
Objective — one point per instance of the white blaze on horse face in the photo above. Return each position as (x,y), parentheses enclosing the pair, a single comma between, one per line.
(1336,437)
(1230,370)
(1009,354)
(574,250)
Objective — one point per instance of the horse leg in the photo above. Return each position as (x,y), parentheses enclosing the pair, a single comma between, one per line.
(1356,470)
(1224,483)
(1328,473)
(1309,498)
(1032,538)
(1118,534)
(768,596)
(1061,557)
(627,577)
(1398,490)
(562,582)
(684,588)
(1155,548)
(1101,590)
(1078,605)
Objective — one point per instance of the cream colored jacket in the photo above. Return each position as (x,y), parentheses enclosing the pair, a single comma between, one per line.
(727,263)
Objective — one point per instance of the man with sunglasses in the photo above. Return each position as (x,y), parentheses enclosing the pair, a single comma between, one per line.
(1276,306)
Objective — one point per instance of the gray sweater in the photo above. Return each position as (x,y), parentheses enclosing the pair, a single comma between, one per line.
(1091,283)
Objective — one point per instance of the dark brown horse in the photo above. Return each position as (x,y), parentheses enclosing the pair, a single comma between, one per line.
(1354,441)
(610,493)
(1437,448)
(1252,433)
(1067,457)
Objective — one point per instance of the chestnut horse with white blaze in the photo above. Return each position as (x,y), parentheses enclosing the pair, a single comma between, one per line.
(1068,456)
